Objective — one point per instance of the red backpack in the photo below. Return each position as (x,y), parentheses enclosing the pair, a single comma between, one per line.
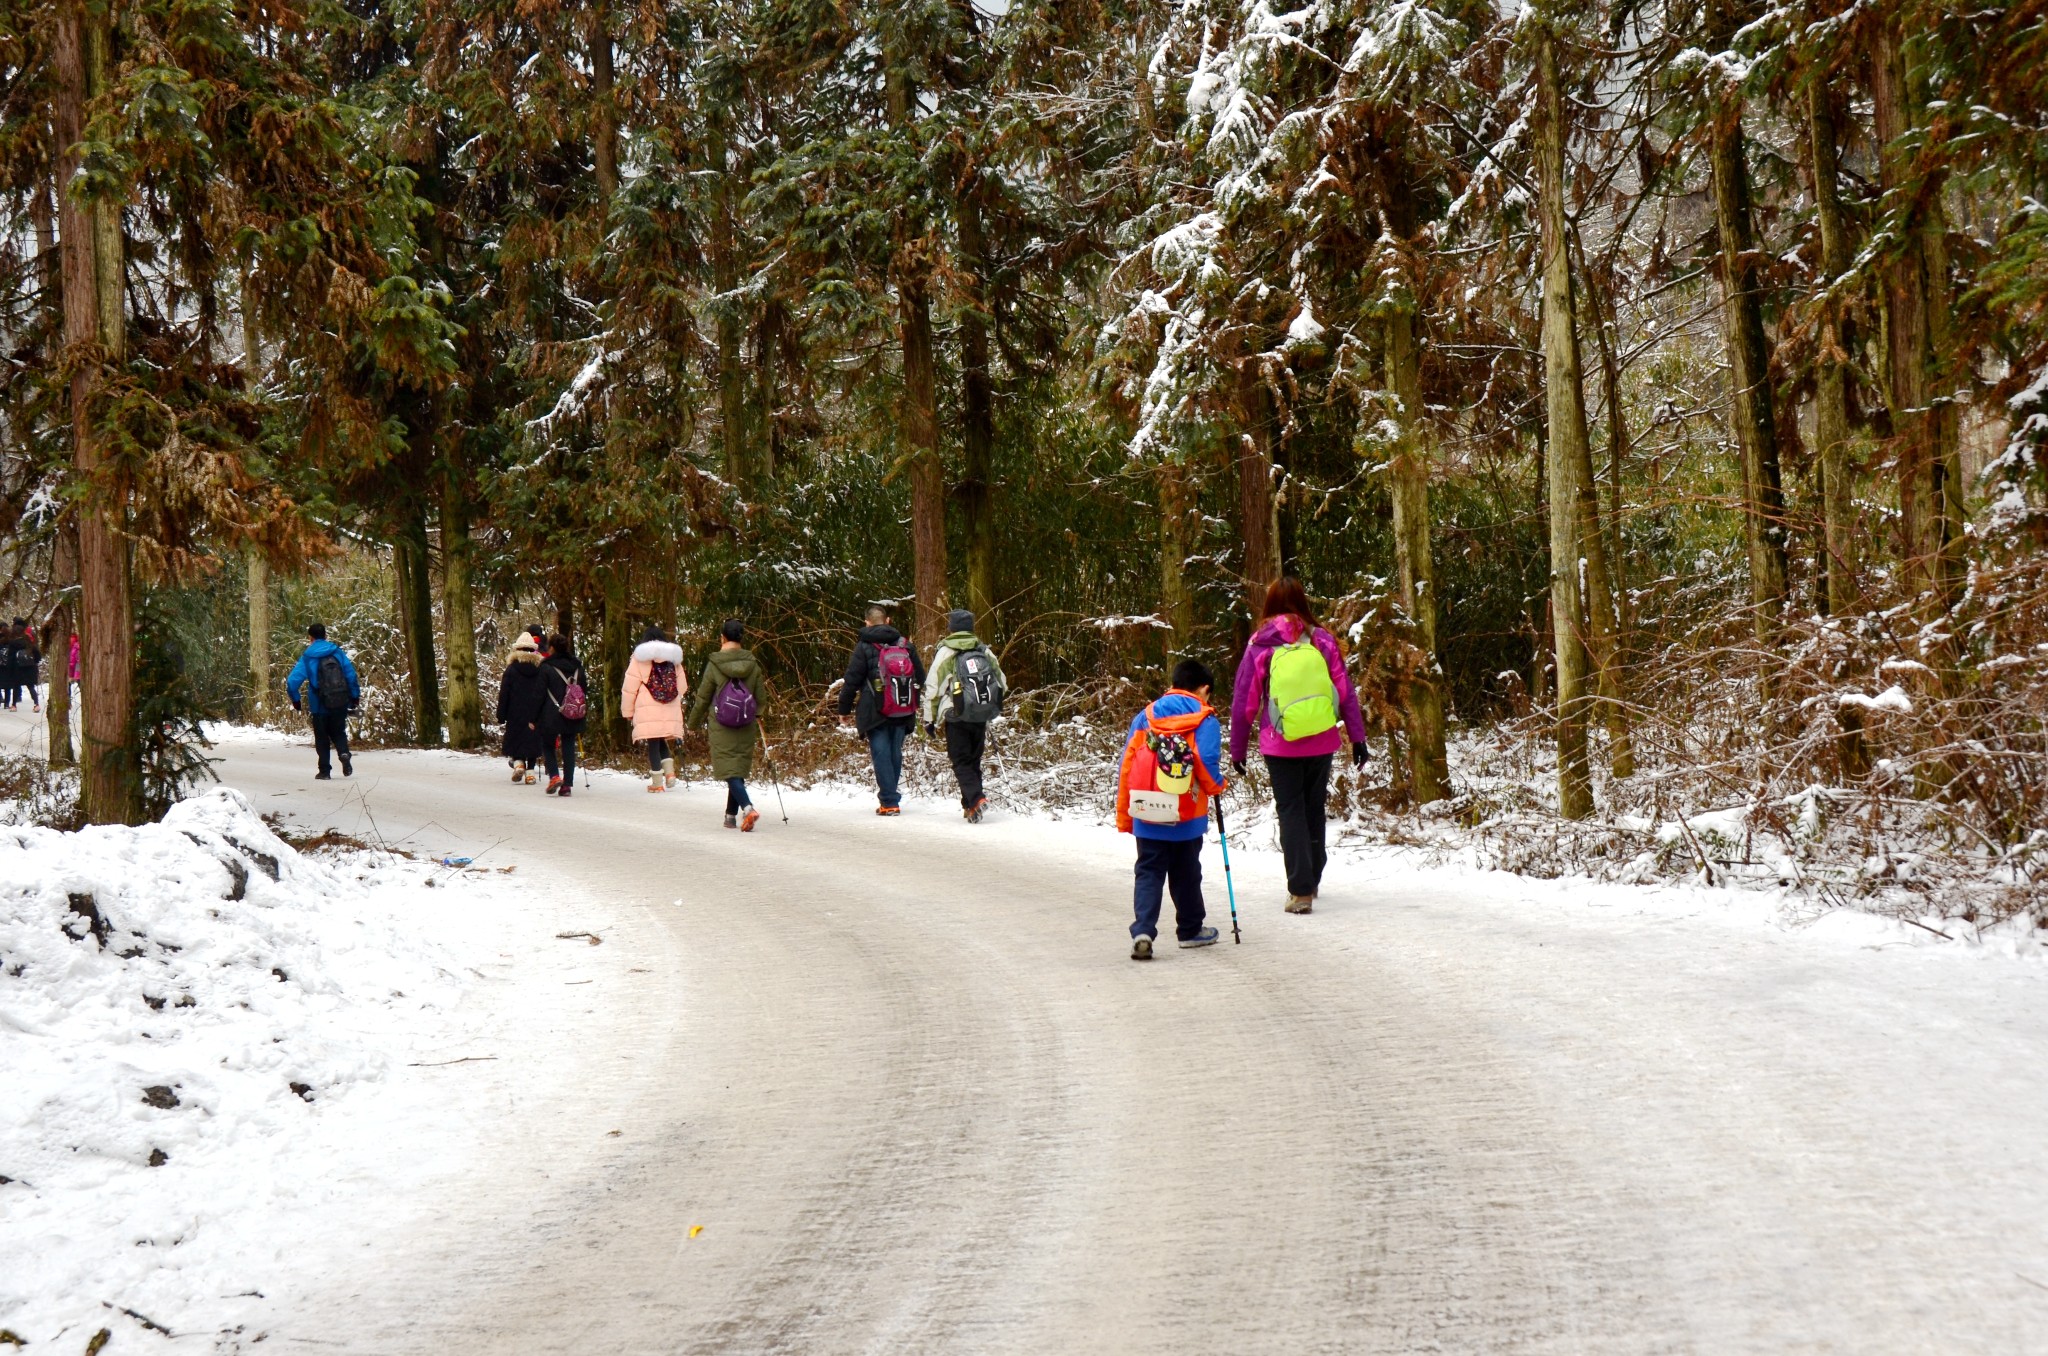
(896,680)
(1161,779)
(661,681)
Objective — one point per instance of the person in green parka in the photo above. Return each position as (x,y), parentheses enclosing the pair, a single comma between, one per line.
(730,695)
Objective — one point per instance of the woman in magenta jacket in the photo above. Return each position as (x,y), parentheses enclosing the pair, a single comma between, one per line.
(1298,768)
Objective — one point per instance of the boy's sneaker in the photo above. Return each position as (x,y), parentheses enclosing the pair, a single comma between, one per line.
(1301,903)
(749,819)
(554,785)
(1206,937)
(732,821)
(974,811)
(888,809)
(1141,948)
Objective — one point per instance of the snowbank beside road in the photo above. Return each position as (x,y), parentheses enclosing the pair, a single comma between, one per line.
(192,1017)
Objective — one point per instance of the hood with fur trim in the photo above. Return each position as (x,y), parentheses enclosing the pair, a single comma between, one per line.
(654,651)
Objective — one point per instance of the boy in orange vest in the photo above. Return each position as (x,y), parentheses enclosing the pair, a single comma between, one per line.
(1164,783)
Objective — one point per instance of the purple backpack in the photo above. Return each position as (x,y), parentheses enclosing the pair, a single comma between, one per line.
(735,707)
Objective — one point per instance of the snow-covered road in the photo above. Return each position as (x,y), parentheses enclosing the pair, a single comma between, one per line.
(895,1087)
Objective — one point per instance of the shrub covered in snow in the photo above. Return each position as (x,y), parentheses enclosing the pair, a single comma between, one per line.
(178,1003)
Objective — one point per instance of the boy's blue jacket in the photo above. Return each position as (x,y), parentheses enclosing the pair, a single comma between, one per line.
(1208,748)
(306,674)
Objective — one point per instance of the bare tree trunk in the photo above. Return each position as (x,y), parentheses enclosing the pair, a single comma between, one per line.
(1409,468)
(57,633)
(615,651)
(1568,452)
(1749,358)
(1258,521)
(59,622)
(416,601)
(256,567)
(458,612)
(1831,404)
(734,434)
(1176,543)
(1603,539)
(95,330)
(1915,295)
(604,121)
(978,421)
(927,472)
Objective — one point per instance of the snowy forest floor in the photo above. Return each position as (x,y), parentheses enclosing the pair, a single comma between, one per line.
(888,1068)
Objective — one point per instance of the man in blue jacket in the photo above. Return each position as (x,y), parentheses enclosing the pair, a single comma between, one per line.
(331,692)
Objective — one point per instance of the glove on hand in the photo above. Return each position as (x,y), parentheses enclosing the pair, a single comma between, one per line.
(1359,754)
(1237,766)
(931,730)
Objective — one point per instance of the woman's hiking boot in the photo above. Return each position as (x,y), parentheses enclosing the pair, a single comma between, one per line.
(564,792)
(973,812)
(732,821)
(654,780)
(532,777)
(518,773)
(749,817)
(554,786)
(1301,903)
(888,809)
(1206,937)
(668,772)
(1141,948)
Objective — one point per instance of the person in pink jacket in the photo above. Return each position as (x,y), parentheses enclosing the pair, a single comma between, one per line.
(1298,768)
(652,698)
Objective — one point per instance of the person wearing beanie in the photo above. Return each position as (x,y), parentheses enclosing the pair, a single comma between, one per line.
(964,690)
(522,692)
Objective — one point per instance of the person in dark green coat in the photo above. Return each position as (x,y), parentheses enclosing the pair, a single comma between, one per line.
(730,695)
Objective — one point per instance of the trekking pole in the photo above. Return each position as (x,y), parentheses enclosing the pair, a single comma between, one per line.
(1223,837)
(773,780)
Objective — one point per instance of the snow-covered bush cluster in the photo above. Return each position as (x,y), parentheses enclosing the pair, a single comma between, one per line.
(179,1003)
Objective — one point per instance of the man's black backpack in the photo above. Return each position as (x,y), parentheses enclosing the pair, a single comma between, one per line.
(330,680)
(977,692)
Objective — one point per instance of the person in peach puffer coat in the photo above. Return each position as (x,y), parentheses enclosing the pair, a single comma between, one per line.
(652,698)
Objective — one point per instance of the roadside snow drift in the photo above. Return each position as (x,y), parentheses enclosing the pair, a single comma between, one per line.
(179,1005)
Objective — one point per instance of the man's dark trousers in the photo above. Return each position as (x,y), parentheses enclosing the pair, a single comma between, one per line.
(1166,862)
(1301,790)
(965,743)
(330,731)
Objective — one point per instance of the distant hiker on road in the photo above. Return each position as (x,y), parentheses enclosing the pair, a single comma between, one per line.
(563,713)
(19,660)
(332,691)
(730,695)
(522,692)
(1292,681)
(1164,781)
(880,697)
(652,698)
(965,690)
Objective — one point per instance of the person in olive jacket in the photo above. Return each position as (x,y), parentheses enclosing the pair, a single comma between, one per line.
(731,697)
(559,731)
(522,692)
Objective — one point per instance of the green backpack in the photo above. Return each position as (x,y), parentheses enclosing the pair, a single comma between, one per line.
(1300,698)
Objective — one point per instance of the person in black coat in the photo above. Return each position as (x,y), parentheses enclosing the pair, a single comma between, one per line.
(558,732)
(860,701)
(522,692)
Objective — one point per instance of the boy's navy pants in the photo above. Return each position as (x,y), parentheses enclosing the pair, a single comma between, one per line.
(1164,863)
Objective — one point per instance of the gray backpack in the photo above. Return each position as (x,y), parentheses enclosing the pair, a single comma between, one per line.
(976,690)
